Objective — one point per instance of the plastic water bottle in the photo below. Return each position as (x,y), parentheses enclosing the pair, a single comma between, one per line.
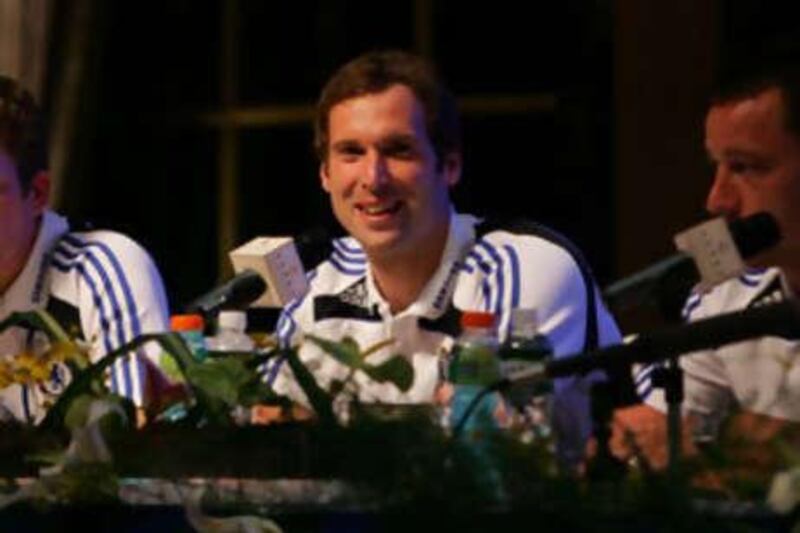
(526,349)
(191,329)
(473,367)
(231,336)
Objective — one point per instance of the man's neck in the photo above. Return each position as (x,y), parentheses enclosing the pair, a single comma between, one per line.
(13,267)
(402,278)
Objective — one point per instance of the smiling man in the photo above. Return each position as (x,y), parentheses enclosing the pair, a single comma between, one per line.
(388,138)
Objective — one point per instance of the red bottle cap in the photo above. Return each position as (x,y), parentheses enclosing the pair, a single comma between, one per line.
(186,322)
(477,319)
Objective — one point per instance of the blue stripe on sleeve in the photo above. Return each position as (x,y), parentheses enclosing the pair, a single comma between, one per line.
(26,406)
(116,311)
(492,251)
(644,374)
(98,303)
(121,278)
(128,364)
(748,281)
(643,394)
(133,363)
(692,303)
(286,323)
(485,289)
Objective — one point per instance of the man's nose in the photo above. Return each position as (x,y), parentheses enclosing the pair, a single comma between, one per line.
(376,173)
(723,198)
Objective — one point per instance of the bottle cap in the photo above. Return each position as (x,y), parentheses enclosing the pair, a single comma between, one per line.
(232,320)
(186,322)
(477,319)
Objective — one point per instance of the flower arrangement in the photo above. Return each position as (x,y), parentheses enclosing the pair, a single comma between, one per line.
(400,457)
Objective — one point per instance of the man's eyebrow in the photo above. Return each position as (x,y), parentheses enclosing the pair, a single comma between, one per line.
(345,144)
(737,153)
(398,138)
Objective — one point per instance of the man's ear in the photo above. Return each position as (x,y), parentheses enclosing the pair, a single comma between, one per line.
(40,191)
(451,170)
(324,177)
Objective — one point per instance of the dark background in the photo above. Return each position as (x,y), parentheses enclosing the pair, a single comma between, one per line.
(616,163)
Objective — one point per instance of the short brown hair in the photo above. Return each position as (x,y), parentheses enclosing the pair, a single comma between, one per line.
(21,130)
(375,72)
(775,64)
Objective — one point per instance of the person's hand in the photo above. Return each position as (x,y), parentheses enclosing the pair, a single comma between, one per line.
(752,440)
(640,433)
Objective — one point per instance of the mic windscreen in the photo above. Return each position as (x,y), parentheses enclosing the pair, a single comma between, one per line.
(246,287)
(755,233)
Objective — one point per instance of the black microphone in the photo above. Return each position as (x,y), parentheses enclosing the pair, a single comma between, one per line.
(669,281)
(242,289)
(777,320)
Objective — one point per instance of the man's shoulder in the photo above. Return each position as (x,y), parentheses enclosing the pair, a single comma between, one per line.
(752,288)
(117,249)
(525,233)
(93,265)
(531,246)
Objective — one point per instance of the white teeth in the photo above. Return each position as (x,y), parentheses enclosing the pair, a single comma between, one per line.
(377,209)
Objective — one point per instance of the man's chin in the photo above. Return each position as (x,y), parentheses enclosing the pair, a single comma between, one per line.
(382,250)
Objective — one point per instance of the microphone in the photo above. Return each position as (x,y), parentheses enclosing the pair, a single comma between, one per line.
(276,260)
(778,320)
(669,281)
(242,289)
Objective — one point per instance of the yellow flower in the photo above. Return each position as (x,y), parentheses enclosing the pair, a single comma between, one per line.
(66,351)
(6,374)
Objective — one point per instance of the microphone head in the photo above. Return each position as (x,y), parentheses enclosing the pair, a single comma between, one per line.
(755,233)
(237,293)
(246,287)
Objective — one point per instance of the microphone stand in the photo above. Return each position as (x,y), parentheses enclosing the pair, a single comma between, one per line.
(606,396)
(670,378)
(604,466)
(780,319)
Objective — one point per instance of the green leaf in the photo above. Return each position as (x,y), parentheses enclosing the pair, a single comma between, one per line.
(78,412)
(48,457)
(396,370)
(376,347)
(39,320)
(345,351)
(256,392)
(220,378)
